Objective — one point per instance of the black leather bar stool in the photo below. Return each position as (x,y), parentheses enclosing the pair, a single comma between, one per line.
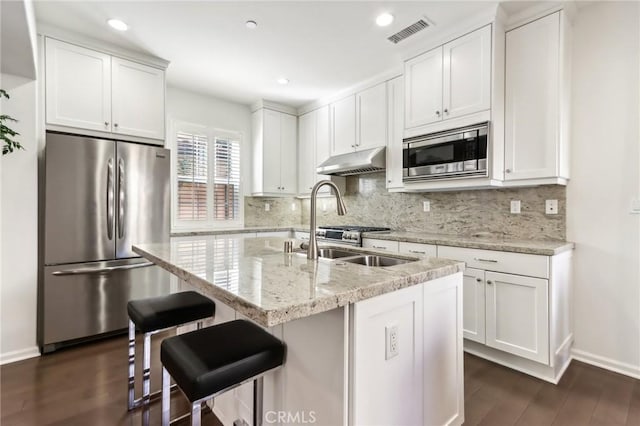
(155,314)
(206,363)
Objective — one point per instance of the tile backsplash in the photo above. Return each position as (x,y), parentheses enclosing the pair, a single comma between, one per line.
(466,213)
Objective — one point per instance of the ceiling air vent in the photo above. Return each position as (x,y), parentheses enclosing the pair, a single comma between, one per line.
(409,31)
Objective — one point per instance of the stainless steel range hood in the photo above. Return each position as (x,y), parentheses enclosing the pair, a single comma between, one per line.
(354,163)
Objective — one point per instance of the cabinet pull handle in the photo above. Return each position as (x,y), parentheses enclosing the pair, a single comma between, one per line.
(106,123)
(485,260)
(438,113)
(446,111)
(417,252)
(115,124)
(508,171)
(379,247)
(489,282)
(479,280)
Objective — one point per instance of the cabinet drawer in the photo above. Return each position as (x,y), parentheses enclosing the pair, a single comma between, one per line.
(372,243)
(416,248)
(499,261)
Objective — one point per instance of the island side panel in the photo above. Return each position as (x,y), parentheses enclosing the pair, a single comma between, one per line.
(423,384)
(443,357)
(387,390)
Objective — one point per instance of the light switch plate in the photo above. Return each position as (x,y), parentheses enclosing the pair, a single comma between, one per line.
(551,207)
(515,206)
(267,207)
(635,206)
(426,206)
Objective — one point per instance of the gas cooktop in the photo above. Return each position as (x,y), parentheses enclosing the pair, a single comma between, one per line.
(346,234)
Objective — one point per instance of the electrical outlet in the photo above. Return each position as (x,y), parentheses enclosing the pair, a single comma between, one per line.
(551,206)
(392,343)
(293,207)
(515,206)
(267,207)
(426,206)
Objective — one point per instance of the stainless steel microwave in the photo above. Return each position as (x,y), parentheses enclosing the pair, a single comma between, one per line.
(455,153)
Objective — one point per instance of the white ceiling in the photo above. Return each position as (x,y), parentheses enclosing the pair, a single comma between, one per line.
(322,47)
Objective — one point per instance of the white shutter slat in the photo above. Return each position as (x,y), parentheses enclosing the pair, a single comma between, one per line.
(192,173)
(226,188)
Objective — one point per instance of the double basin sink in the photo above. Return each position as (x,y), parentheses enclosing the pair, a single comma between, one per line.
(345,255)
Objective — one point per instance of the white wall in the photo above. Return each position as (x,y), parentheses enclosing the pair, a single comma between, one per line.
(605,161)
(194,108)
(19,226)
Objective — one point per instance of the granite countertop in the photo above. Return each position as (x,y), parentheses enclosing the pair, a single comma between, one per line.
(245,229)
(256,278)
(544,248)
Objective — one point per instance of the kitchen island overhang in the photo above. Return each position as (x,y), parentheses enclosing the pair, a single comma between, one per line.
(335,318)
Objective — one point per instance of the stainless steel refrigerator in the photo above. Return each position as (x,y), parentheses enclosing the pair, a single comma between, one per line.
(97,198)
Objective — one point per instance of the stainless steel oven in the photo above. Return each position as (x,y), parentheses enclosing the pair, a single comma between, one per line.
(455,153)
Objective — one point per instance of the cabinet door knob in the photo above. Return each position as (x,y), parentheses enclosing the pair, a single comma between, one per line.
(438,113)
(508,171)
(479,280)
(489,282)
(106,123)
(115,124)
(446,111)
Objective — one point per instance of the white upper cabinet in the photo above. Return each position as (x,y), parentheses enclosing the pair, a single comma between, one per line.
(360,121)
(372,117)
(534,115)
(449,81)
(313,148)
(343,125)
(138,99)
(306,152)
(467,74)
(89,90)
(274,153)
(78,86)
(423,83)
(395,90)
(288,157)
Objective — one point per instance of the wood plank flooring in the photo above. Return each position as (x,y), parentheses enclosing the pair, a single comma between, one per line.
(87,385)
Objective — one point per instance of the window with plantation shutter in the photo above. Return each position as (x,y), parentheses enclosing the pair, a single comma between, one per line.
(192,174)
(207,190)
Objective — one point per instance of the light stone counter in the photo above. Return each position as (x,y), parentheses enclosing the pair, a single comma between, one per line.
(256,278)
(543,248)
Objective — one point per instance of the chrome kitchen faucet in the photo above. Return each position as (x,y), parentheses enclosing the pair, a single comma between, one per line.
(312,250)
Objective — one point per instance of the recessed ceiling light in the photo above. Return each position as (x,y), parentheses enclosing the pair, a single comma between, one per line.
(118,24)
(283,80)
(251,24)
(384,19)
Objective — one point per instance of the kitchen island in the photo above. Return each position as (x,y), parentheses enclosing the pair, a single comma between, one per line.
(365,345)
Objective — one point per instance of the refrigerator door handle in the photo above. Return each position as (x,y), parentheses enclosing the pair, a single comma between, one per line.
(121,198)
(110,199)
(101,270)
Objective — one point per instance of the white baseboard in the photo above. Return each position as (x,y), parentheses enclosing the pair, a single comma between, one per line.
(19,355)
(607,363)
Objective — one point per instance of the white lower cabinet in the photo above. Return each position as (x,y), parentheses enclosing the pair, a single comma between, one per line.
(473,302)
(513,318)
(517,315)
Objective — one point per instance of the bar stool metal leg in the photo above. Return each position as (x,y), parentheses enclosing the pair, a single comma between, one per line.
(258,388)
(132,362)
(166,397)
(146,377)
(196,411)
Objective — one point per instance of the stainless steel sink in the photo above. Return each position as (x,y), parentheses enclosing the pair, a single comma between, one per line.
(373,260)
(332,253)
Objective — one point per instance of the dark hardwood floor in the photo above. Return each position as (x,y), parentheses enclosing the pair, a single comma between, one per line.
(87,385)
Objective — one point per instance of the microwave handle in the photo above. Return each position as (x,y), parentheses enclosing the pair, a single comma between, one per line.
(436,141)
